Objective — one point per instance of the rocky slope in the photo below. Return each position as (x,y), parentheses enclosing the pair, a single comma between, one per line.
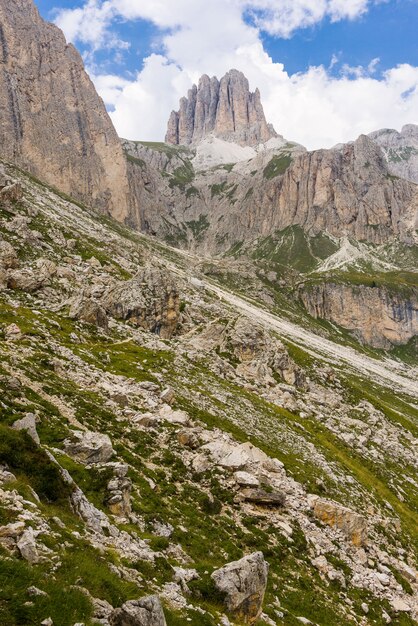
(223,472)
(226,108)
(53,123)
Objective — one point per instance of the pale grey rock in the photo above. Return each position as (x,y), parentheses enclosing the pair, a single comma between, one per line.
(34,591)
(149,300)
(8,255)
(28,423)
(244,584)
(244,479)
(174,417)
(27,547)
(144,612)
(89,311)
(400,606)
(225,108)
(89,447)
(400,150)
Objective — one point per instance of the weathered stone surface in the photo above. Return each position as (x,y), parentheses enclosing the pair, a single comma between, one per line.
(225,108)
(28,423)
(89,447)
(264,498)
(260,354)
(8,255)
(335,515)
(119,492)
(89,311)
(144,612)
(53,123)
(244,479)
(27,547)
(400,150)
(149,300)
(244,583)
(373,314)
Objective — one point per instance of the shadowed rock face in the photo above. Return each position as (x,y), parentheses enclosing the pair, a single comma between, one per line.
(372,314)
(225,108)
(52,122)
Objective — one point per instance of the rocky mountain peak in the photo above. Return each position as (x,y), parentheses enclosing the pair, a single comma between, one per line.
(400,150)
(225,108)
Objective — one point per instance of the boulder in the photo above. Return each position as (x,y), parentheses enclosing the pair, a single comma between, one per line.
(243,584)
(89,311)
(149,300)
(264,498)
(244,479)
(28,423)
(8,256)
(25,280)
(88,447)
(144,612)
(335,515)
(27,547)
(168,395)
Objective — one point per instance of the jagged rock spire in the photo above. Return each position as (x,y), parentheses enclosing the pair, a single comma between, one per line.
(225,108)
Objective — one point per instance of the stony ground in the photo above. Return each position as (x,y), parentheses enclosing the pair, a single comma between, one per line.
(156,426)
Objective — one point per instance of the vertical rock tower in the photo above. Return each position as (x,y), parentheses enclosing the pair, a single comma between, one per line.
(225,108)
(52,122)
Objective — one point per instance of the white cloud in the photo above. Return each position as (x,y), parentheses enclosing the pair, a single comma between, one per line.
(314,107)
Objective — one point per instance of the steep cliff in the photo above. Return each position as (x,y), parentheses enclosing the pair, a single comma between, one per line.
(372,314)
(225,108)
(53,123)
(345,192)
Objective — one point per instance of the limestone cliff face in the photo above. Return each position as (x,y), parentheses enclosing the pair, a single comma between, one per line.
(225,108)
(372,314)
(52,122)
(345,192)
(400,150)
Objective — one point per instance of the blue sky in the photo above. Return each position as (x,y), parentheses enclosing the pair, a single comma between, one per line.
(310,58)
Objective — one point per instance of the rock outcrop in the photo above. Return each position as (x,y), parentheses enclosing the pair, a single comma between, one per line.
(373,315)
(244,583)
(89,447)
(144,612)
(335,515)
(52,122)
(225,108)
(149,300)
